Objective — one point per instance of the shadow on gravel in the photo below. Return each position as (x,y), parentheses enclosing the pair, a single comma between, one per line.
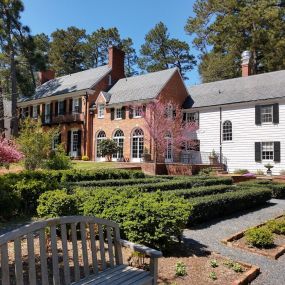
(231,216)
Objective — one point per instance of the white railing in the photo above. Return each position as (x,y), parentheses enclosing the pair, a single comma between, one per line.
(198,157)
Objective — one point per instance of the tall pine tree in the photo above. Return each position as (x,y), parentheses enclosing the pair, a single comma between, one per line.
(222,30)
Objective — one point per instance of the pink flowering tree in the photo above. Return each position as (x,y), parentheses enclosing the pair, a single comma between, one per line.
(166,127)
(8,153)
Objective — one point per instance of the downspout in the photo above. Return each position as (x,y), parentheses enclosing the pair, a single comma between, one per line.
(85,123)
(221,146)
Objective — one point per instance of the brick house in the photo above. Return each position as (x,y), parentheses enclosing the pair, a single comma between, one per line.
(64,101)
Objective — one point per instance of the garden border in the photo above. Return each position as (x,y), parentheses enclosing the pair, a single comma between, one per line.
(228,241)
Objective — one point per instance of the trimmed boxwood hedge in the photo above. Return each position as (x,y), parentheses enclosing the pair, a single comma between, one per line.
(203,191)
(218,205)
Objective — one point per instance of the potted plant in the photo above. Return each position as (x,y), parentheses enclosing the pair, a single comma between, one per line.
(268,171)
(213,157)
(146,156)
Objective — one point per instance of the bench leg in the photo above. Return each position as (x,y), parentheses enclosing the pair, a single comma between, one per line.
(154,269)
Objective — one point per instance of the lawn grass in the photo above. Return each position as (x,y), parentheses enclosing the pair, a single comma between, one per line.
(92,165)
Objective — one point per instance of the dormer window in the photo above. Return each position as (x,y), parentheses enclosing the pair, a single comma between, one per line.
(138,111)
(118,113)
(75,107)
(101,110)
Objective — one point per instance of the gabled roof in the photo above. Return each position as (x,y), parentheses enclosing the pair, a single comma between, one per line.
(141,87)
(70,83)
(243,89)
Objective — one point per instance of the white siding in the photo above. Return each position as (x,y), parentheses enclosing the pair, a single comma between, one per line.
(240,152)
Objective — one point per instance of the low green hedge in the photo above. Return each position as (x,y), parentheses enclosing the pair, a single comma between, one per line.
(218,205)
(203,191)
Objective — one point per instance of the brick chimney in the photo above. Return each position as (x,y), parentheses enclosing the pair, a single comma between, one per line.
(245,65)
(116,62)
(46,75)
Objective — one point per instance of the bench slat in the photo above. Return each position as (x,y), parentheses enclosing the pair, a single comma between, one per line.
(31,258)
(110,247)
(65,254)
(93,248)
(43,257)
(75,252)
(55,268)
(84,249)
(18,261)
(5,264)
(118,246)
(102,248)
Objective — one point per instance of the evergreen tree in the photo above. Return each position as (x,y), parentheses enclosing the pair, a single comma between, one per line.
(162,52)
(222,30)
(130,57)
(67,50)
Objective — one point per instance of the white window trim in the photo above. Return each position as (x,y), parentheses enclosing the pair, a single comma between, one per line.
(135,110)
(58,109)
(266,106)
(101,116)
(267,160)
(75,103)
(47,114)
(35,111)
(116,115)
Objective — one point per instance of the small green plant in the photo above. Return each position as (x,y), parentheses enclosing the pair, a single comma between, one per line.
(277,226)
(214,263)
(259,237)
(85,158)
(206,172)
(180,269)
(241,171)
(233,265)
(213,275)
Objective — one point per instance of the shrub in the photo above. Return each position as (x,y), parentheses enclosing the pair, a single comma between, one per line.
(277,226)
(152,219)
(85,158)
(180,269)
(259,237)
(241,171)
(58,160)
(218,205)
(108,147)
(278,191)
(57,203)
(205,172)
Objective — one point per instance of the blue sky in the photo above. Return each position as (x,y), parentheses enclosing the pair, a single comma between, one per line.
(133,18)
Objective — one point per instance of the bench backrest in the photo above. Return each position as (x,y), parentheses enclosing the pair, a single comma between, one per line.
(59,250)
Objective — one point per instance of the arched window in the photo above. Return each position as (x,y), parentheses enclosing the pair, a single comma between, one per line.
(227,131)
(137,144)
(168,147)
(100,136)
(119,137)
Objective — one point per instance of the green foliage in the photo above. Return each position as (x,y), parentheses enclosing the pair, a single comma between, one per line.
(180,269)
(214,263)
(151,219)
(35,143)
(241,171)
(232,27)
(234,266)
(206,171)
(218,205)
(85,158)
(213,275)
(259,237)
(56,203)
(277,226)
(107,148)
(162,52)
(58,160)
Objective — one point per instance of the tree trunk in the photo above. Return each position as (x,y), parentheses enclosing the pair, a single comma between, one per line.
(2,124)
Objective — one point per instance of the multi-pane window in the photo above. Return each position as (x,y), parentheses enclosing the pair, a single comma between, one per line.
(35,111)
(267,150)
(61,107)
(119,139)
(227,131)
(118,113)
(47,113)
(169,111)
(168,150)
(137,143)
(191,117)
(75,107)
(138,111)
(55,142)
(101,136)
(266,114)
(101,109)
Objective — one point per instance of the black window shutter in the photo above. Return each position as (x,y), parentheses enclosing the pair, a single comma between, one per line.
(68,142)
(197,117)
(174,113)
(277,152)
(80,105)
(56,108)
(51,111)
(131,111)
(257,151)
(70,106)
(257,115)
(123,113)
(112,113)
(31,111)
(144,109)
(79,142)
(276,113)
(43,112)
(64,107)
(184,117)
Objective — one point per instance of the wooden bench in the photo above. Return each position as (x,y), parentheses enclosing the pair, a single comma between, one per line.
(71,250)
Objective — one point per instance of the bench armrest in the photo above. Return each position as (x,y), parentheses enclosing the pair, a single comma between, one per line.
(153,253)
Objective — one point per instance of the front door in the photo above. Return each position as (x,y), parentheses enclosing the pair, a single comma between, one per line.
(74,144)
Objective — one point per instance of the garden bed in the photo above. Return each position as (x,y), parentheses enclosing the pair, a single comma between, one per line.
(276,250)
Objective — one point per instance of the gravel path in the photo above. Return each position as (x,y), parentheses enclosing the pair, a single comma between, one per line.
(209,236)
